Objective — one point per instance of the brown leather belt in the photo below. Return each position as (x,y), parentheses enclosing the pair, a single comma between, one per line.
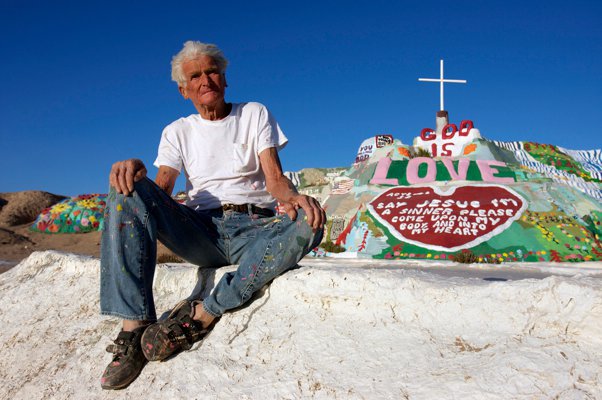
(245,208)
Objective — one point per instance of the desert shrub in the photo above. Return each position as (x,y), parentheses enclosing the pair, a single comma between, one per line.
(332,247)
(466,257)
(420,152)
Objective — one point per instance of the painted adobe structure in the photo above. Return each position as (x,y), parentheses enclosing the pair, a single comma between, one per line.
(503,201)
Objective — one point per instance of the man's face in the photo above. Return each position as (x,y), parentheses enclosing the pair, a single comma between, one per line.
(205,85)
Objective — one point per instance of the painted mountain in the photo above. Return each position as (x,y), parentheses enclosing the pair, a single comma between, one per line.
(454,192)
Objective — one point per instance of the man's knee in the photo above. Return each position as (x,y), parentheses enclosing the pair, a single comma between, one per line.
(141,187)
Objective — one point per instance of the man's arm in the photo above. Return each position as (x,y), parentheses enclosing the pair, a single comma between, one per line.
(285,192)
(166,178)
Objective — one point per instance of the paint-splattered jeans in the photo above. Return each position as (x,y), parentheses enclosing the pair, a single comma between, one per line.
(263,248)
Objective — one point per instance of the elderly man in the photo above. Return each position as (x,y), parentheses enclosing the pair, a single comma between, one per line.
(229,153)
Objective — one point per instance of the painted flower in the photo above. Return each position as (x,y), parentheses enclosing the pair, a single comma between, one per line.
(86,203)
(59,208)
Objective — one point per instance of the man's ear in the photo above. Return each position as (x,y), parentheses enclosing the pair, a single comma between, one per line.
(182,90)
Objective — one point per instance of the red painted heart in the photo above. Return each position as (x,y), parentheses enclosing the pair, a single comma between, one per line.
(459,218)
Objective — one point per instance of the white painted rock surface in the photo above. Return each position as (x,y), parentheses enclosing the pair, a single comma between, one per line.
(330,329)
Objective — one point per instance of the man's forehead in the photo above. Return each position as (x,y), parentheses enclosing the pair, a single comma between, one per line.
(199,62)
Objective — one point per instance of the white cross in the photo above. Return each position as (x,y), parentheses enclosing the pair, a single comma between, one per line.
(441,81)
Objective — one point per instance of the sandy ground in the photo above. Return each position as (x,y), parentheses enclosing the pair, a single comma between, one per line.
(21,242)
(24,242)
(18,210)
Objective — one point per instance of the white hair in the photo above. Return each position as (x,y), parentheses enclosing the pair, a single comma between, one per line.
(192,50)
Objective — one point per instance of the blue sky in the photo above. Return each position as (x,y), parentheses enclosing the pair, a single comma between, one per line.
(83,84)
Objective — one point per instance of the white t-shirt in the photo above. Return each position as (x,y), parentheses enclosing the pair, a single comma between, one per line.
(221,158)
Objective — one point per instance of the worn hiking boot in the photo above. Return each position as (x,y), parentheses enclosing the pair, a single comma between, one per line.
(178,332)
(128,360)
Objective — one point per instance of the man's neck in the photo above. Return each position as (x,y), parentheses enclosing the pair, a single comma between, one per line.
(221,111)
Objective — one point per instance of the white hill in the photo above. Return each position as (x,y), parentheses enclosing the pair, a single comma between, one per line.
(332,329)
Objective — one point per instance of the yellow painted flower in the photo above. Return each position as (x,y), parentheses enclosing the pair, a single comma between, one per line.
(87,203)
(59,208)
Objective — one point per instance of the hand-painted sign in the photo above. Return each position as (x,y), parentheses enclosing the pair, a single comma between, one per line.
(451,142)
(369,145)
(441,170)
(383,140)
(459,218)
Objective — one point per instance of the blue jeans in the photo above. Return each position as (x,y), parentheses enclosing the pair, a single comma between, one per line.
(263,248)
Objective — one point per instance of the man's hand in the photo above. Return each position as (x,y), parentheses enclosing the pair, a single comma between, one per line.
(285,192)
(125,173)
(316,217)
